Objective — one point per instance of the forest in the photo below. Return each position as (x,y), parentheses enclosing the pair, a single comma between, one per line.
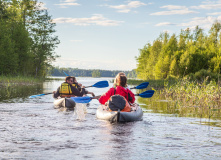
(192,54)
(56,71)
(27,39)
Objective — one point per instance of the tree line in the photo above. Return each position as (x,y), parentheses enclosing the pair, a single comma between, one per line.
(190,54)
(56,71)
(27,39)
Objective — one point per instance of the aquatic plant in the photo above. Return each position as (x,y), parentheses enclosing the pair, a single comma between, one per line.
(6,81)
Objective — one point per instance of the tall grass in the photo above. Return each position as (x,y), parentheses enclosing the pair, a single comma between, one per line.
(18,80)
(187,98)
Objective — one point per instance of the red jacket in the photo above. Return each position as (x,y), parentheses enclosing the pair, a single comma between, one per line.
(119,90)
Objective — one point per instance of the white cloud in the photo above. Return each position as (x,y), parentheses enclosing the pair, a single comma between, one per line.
(203,22)
(96,19)
(66,3)
(209,5)
(69,1)
(125,8)
(172,7)
(214,14)
(172,12)
(165,24)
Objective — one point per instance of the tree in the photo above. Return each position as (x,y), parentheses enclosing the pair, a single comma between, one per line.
(96,73)
(44,42)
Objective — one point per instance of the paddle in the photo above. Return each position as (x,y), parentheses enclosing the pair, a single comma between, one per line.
(141,86)
(65,73)
(146,94)
(101,84)
(87,99)
(38,95)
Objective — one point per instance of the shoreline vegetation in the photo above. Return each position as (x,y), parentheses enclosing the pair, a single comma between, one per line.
(6,81)
(187,98)
(186,70)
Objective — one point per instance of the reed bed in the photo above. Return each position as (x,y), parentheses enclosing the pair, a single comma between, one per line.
(203,98)
(6,81)
(184,97)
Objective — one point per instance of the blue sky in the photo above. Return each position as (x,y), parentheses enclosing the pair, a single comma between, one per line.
(107,34)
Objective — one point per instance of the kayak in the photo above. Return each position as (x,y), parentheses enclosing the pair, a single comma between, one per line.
(65,103)
(136,114)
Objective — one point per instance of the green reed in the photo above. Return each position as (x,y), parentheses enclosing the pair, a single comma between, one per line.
(184,98)
(6,81)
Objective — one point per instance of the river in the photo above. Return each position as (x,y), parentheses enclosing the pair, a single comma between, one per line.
(33,129)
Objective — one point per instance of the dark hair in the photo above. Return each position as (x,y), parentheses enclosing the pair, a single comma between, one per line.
(121,80)
(73,78)
(68,78)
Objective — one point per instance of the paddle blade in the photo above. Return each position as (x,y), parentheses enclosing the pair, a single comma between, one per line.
(81,99)
(101,84)
(146,94)
(142,85)
(38,95)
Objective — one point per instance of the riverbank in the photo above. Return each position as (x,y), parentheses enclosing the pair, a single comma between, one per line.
(6,81)
(187,97)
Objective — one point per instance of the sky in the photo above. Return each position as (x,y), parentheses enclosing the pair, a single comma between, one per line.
(107,34)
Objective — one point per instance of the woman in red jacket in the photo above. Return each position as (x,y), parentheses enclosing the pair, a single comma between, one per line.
(120,89)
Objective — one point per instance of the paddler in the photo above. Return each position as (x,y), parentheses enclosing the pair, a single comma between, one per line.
(67,90)
(117,94)
(79,86)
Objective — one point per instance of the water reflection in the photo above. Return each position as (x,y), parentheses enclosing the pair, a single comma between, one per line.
(7,94)
(118,138)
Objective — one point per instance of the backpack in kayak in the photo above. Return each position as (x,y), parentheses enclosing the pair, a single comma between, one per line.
(117,102)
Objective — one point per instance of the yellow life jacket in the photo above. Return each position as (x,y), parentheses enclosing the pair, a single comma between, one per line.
(75,85)
(65,89)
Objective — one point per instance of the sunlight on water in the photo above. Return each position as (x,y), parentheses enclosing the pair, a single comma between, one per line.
(80,111)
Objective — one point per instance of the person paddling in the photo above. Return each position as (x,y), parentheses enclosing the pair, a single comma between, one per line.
(118,92)
(67,90)
(79,86)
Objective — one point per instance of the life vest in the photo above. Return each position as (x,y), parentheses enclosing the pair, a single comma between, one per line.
(75,85)
(65,90)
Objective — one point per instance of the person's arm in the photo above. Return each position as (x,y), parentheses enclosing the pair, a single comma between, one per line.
(132,96)
(56,94)
(76,92)
(87,92)
(105,97)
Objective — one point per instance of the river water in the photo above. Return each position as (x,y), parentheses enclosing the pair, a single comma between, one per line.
(33,129)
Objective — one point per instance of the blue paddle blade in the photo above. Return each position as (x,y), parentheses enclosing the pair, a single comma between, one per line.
(147,94)
(142,85)
(38,95)
(101,84)
(81,99)
(34,96)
